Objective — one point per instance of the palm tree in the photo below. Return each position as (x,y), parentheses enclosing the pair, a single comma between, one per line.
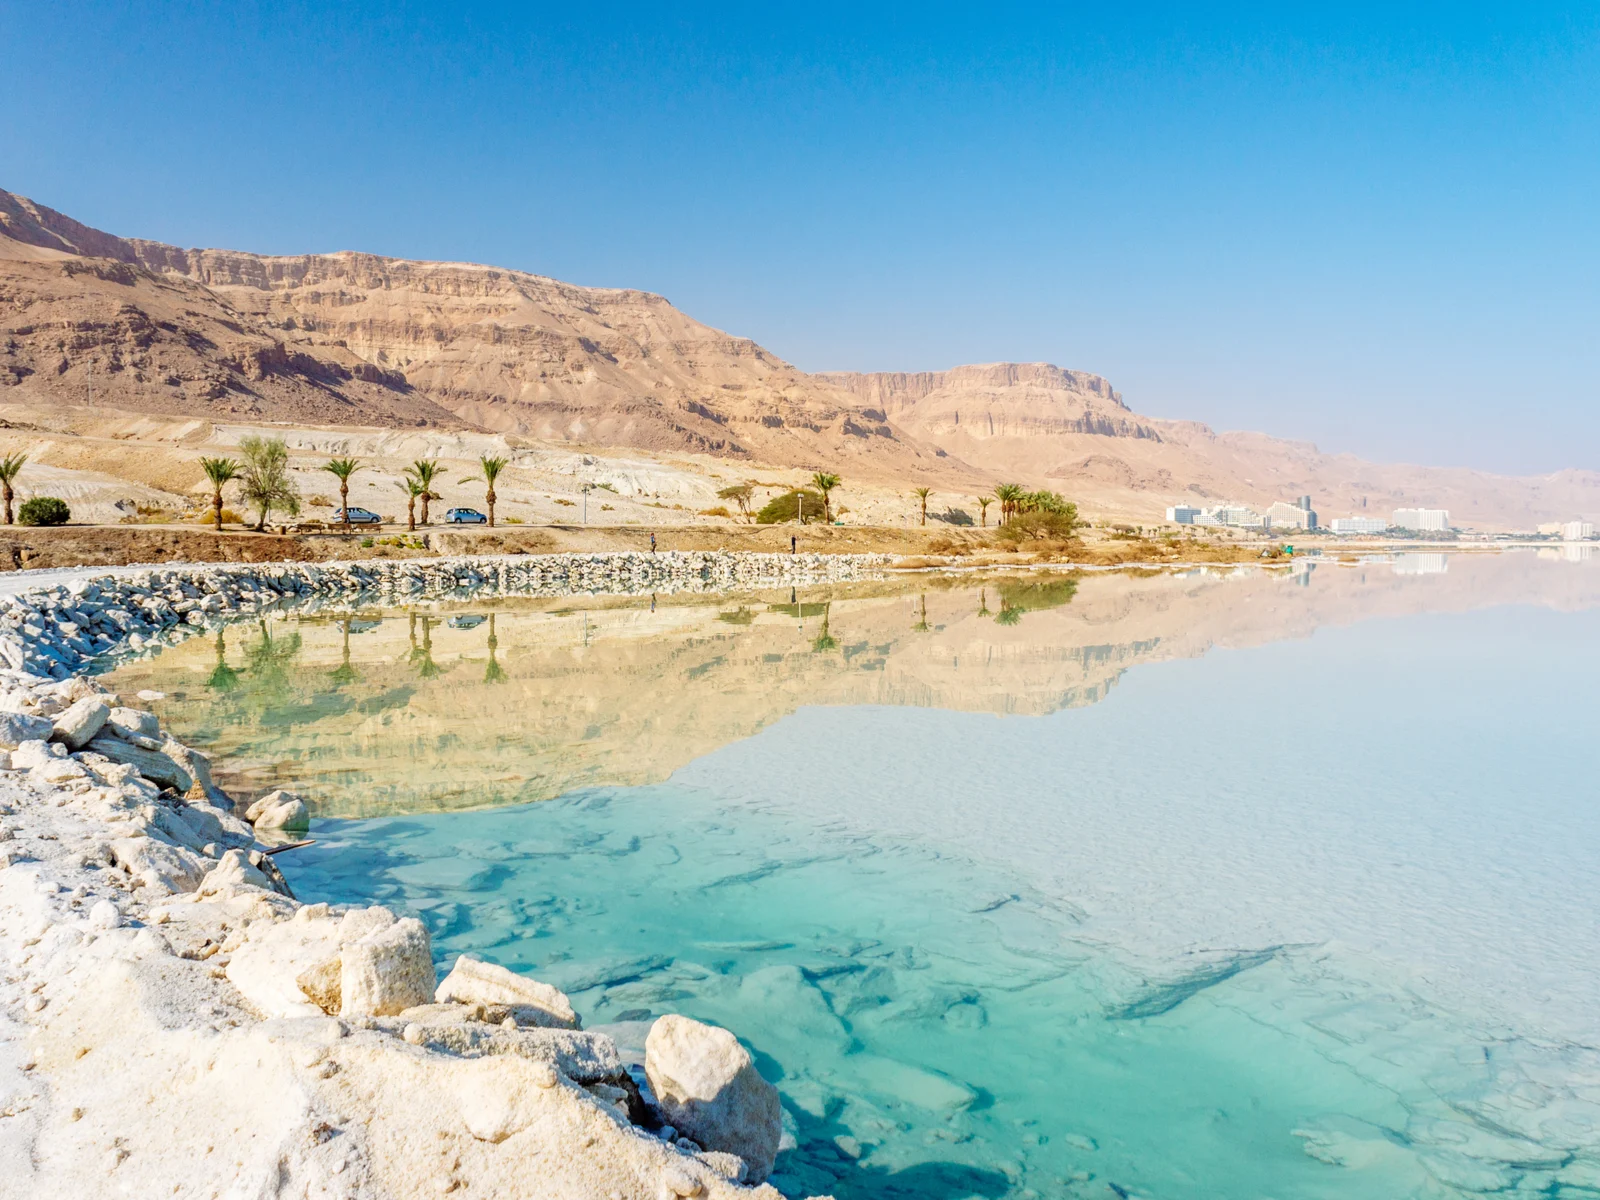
(10,468)
(983,509)
(922,494)
(1009,494)
(219,471)
(491,468)
(425,471)
(825,483)
(412,490)
(341,469)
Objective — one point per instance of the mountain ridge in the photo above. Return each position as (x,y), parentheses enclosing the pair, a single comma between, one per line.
(352,338)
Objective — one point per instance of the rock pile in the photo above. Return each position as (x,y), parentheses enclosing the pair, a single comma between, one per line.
(56,631)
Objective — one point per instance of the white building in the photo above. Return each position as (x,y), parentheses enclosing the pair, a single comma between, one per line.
(1577,531)
(1182,514)
(1422,519)
(1359,525)
(1283,515)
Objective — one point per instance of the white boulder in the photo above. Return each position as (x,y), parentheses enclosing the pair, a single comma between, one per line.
(387,971)
(155,864)
(279,810)
(232,871)
(707,1086)
(16,728)
(473,981)
(133,722)
(80,721)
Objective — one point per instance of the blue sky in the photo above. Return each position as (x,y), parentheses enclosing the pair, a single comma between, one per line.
(1371,227)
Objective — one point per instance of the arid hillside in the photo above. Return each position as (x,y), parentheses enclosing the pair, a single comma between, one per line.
(90,318)
(1069,430)
(91,322)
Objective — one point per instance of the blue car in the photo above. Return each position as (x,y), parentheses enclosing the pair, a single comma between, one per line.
(465,516)
(358,516)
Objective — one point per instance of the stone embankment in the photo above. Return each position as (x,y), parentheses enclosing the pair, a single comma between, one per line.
(55,632)
(174,1022)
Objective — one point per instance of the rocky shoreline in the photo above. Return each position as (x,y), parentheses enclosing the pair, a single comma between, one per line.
(174,1022)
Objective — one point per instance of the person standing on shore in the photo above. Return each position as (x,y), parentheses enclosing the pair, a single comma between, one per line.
(652,543)
(794,544)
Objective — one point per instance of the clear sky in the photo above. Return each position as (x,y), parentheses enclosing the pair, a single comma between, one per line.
(1374,227)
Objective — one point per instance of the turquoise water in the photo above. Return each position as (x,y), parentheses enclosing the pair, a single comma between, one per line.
(1217,887)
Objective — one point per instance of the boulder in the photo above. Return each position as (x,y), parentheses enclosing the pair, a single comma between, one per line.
(80,721)
(231,872)
(154,765)
(268,967)
(279,810)
(707,1086)
(387,971)
(16,728)
(473,981)
(154,864)
(133,722)
(35,753)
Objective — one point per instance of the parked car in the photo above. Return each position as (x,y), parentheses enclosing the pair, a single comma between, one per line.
(465,516)
(358,516)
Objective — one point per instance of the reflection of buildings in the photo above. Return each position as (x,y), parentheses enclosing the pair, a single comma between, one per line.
(1421,564)
(1424,520)
(1570,552)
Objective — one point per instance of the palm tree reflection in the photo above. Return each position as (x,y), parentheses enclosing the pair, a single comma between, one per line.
(494,672)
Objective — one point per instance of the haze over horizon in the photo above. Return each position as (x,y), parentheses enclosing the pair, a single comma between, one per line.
(1372,230)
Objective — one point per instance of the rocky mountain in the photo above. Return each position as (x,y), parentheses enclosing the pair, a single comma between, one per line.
(347,338)
(1041,425)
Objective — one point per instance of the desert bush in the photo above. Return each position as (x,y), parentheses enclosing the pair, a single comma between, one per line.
(229,517)
(1040,524)
(567,503)
(44,510)
(802,502)
(720,510)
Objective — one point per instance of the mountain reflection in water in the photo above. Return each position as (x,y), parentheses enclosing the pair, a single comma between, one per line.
(502,701)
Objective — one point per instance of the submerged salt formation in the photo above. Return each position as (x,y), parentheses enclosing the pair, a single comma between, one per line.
(174,1022)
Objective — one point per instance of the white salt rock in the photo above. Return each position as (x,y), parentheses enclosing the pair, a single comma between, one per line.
(387,971)
(80,721)
(473,981)
(707,1085)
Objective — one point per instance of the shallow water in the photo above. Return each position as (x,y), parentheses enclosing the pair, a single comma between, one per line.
(1243,885)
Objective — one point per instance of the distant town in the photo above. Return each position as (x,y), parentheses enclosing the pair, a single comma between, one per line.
(1299,515)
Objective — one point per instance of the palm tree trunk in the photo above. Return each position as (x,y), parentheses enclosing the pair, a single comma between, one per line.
(216,507)
(344,502)
(411,515)
(490,498)
(425,498)
(8,501)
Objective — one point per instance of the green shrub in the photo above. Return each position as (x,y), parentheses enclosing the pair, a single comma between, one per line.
(44,510)
(788,506)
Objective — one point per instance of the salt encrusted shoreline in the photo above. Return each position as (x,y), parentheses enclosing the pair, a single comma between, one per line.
(174,1023)
(55,631)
